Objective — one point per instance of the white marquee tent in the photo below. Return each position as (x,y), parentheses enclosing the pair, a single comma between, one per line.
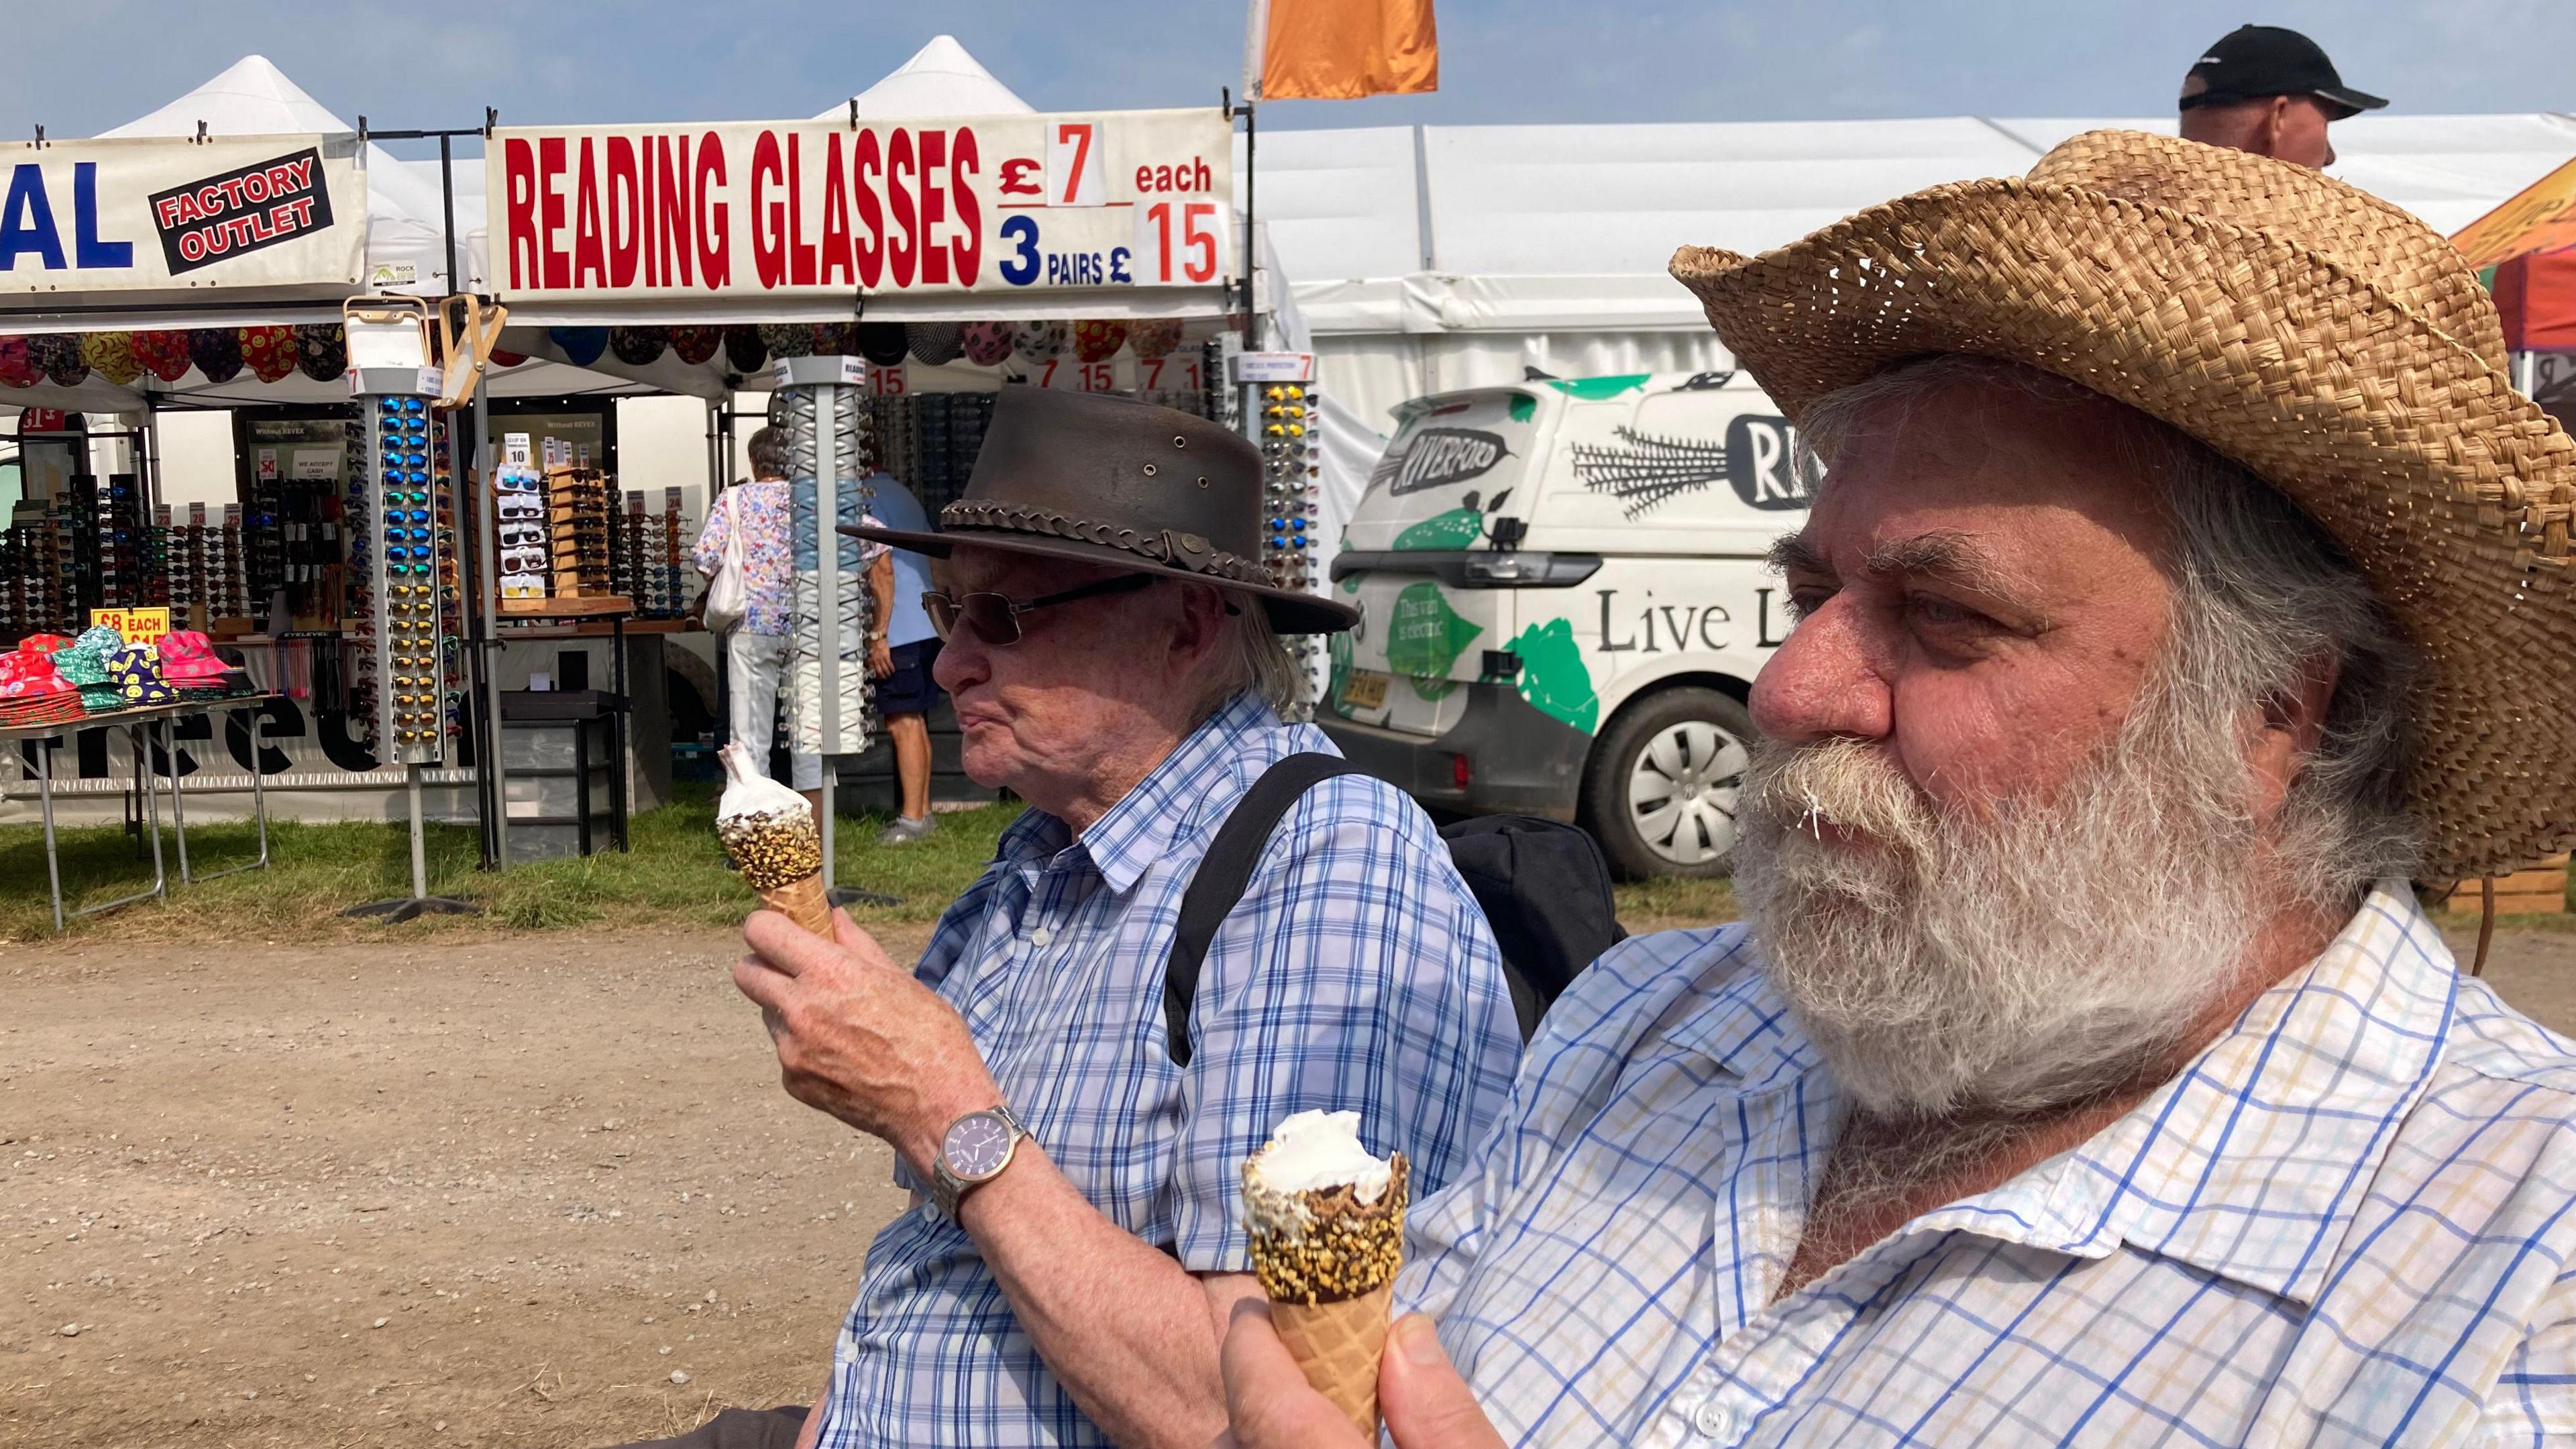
(1435,257)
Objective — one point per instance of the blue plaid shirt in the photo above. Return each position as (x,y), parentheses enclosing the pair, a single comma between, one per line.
(1356,973)
(2349,1221)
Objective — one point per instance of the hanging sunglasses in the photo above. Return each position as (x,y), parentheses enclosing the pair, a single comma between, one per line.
(995,618)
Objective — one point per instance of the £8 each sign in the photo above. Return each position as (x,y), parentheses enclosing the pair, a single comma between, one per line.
(1180,241)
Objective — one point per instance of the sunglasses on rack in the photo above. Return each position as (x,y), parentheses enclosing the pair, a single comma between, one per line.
(995,618)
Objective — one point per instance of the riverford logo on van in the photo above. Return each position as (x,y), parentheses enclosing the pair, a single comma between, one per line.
(1438,457)
(1761,463)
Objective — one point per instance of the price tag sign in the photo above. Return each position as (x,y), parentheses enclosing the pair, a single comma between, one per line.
(137,626)
(1176,373)
(1180,243)
(1074,173)
(885,381)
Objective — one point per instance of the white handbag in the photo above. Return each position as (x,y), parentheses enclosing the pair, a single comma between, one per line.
(728,593)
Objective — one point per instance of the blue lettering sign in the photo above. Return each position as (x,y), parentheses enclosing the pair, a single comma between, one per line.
(27,220)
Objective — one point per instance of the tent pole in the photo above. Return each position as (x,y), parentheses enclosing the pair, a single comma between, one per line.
(1251,335)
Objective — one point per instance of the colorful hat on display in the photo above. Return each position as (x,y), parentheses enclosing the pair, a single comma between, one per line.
(636,346)
(17,368)
(694,345)
(935,343)
(135,670)
(32,693)
(321,351)
(84,660)
(882,343)
(188,657)
(744,349)
(217,353)
(985,343)
(111,356)
(581,346)
(832,339)
(1038,341)
(164,354)
(787,339)
(269,352)
(1109,480)
(58,356)
(1154,340)
(1098,341)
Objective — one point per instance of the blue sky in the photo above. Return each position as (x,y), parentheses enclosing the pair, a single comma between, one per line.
(80,68)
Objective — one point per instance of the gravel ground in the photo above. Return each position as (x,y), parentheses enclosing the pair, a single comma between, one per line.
(531,1191)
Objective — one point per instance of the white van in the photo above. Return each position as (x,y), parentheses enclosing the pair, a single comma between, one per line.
(1563,603)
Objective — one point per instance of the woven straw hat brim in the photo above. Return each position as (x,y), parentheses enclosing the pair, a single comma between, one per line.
(2451,492)
(1290,611)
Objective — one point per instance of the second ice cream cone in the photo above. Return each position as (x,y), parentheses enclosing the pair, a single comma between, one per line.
(1338,1345)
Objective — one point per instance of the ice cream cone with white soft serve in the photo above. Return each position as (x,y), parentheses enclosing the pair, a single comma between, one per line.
(768,829)
(1327,1226)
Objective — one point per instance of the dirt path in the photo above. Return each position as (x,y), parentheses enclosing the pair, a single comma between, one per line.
(478,1193)
(556,1171)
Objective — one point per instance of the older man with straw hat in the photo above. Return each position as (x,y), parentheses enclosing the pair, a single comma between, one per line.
(2183,579)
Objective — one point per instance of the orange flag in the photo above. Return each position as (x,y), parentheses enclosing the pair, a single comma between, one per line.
(1339,50)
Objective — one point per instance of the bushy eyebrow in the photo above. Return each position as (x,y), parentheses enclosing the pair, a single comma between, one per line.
(1943,557)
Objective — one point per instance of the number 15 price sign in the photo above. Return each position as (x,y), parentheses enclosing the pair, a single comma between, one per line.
(1180,242)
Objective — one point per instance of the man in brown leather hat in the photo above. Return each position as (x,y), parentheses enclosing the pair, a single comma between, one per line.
(1111,641)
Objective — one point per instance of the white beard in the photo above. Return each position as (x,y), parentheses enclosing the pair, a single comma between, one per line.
(2032,956)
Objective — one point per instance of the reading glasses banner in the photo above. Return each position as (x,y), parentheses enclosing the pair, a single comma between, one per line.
(173,214)
(809,210)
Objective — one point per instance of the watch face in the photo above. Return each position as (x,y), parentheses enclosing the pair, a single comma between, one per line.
(977,1146)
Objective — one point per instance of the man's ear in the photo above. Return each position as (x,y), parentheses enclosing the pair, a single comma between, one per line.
(1201,625)
(2294,724)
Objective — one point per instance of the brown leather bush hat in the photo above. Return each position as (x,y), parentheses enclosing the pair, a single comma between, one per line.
(1112,481)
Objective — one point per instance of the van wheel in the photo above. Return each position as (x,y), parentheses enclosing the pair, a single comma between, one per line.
(1660,787)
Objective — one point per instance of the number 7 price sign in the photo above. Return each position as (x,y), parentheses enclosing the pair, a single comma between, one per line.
(1180,243)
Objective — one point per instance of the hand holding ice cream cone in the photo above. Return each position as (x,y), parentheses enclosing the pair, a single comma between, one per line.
(1327,1226)
(768,829)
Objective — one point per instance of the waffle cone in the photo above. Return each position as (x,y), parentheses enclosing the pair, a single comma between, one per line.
(1338,1345)
(804,902)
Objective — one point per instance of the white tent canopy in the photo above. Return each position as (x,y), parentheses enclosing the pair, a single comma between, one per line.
(1451,256)
(941,79)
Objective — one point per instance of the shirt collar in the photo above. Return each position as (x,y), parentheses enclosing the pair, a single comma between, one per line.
(2250,1163)
(1162,808)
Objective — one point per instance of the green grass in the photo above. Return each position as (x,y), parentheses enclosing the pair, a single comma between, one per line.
(673,876)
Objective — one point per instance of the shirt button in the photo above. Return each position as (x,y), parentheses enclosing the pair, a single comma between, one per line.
(1713,1420)
(1041,936)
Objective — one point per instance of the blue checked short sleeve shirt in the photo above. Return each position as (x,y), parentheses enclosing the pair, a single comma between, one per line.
(1357,973)
(2349,1221)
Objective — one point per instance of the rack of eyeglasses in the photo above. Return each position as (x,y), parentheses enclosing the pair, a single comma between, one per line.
(409,561)
(577,523)
(645,558)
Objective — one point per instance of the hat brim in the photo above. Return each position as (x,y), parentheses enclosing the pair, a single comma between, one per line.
(2347,102)
(1289,611)
(2451,492)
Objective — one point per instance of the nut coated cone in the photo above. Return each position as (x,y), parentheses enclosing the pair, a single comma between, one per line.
(1338,1345)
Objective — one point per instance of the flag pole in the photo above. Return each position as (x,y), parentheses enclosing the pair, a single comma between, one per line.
(1251,337)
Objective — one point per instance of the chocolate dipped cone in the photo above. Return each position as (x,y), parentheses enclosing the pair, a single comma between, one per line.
(1327,1255)
(768,829)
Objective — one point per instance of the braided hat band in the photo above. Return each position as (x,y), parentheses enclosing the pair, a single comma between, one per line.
(1169,547)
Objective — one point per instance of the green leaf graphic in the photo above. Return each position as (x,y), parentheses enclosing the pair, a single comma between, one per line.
(1553,678)
(1456,528)
(1425,637)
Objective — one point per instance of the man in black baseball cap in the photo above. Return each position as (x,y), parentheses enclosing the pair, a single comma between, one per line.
(2269,91)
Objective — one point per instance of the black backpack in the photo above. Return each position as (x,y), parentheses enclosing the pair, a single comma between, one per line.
(1543,885)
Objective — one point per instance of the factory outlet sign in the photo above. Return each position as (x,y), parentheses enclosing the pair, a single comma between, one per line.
(827,209)
(167,214)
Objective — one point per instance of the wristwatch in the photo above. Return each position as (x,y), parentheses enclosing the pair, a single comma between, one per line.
(972,1152)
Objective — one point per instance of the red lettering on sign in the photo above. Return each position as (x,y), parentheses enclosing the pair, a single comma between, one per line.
(1191,177)
(934,207)
(589,248)
(900,247)
(1019,178)
(519,205)
(967,248)
(768,218)
(625,212)
(673,214)
(648,253)
(550,212)
(715,243)
(865,163)
(836,215)
(800,252)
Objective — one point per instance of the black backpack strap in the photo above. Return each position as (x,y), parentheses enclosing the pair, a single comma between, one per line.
(1223,872)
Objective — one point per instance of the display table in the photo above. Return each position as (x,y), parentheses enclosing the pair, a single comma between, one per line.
(138,724)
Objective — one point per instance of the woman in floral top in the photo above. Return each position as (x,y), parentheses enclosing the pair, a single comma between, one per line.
(757,651)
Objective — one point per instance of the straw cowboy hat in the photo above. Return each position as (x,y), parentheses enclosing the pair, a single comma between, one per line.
(2325,339)
(1107,480)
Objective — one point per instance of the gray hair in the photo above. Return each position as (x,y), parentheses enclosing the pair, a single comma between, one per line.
(1251,656)
(2264,599)
(769,448)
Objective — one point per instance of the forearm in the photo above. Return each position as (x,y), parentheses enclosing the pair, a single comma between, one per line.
(1131,1334)
(880,595)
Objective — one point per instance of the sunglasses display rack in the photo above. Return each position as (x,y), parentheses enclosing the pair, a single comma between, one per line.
(645,557)
(829,426)
(577,524)
(205,579)
(35,594)
(930,440)
(519,513)
(406,550)
(1292,466)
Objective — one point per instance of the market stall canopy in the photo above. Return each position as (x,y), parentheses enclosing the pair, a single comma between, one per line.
(2527,248)
(1443,229)
(941,79)
(2536,295)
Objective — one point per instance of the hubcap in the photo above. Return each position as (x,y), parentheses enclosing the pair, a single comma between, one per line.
(1682,791)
